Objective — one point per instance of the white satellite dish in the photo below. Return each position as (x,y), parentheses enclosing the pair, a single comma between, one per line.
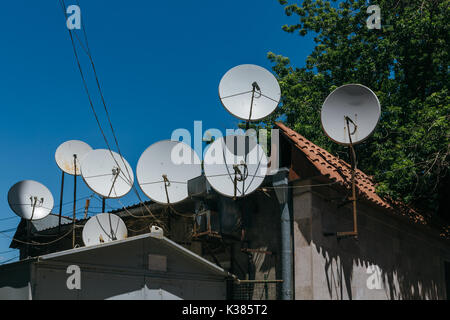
(102,228)
(355,103)
(167,165)
(30,200)
(68,153)
(106,173)
(249,92)
(234,167)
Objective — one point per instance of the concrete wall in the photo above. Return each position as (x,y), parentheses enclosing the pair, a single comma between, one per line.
(390,260)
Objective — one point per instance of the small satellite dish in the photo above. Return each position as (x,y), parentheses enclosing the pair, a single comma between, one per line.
(242,82)
(106,173)
(30,200)
(236,165)
(103,227)
(351,107)
(167,165)
(65,153)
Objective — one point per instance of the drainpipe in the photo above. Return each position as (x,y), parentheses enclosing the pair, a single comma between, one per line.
(280,183)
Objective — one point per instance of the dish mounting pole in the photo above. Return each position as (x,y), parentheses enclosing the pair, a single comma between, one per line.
(74,198)
(353,199)
(255,87)
(61,202)
(34,201)
(247,144)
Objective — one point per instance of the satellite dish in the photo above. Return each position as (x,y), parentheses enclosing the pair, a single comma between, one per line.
(236,165)
(236,90)
(106,173)
(30,200)
(64,155)
(167,165)
(103,227)
(352,106)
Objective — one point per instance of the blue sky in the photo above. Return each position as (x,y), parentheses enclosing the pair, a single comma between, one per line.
(159,63)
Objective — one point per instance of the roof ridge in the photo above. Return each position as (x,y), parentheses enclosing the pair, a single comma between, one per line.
(338,170)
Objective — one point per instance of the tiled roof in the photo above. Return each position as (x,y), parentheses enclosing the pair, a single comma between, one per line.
(340,171)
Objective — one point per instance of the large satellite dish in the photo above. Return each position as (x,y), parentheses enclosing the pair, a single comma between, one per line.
(70,151)
(235,165)
(351,107)
(30,200)
(167,166)
(107,173)
(249,92)
(102,228)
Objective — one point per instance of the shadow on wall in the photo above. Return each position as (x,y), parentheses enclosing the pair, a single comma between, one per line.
(395,282)
(384,263)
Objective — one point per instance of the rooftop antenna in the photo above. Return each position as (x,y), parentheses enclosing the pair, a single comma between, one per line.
(68,156)
(103,228)
(107,174)
(249,92)
(349,116)
(164,169)
(31,201)
(235,165)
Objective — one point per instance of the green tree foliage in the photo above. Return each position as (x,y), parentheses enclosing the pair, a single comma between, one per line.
(405,63)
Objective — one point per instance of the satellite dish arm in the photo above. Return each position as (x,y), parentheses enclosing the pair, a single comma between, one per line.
(255,87)
(348,120)
(166,184)
(34,202)
(116,172)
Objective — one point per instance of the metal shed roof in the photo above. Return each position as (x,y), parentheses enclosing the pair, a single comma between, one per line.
(163,240)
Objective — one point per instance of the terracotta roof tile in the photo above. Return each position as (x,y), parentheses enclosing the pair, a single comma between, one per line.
(338,170)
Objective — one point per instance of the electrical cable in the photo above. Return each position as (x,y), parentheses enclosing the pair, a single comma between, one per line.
(3,252)
(87,50)
(38,243)
(8,230)
(4,262)
(9,218)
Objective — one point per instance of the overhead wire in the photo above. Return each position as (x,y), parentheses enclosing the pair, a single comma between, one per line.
(6,261)
(124,208)
(9,218)
(70,202)
(85,46)
(8,230)
(87,50)
(38,243)
(3,252)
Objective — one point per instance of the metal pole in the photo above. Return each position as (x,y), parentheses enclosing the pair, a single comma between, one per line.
(61,202)
(103,204)
(86,208)
(28,238)
(34,200)
(355,213)
(74,198)
(255,86)
(352,152)
(280,182)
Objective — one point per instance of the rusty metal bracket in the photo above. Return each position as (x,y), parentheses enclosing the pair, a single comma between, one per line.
(353,199)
